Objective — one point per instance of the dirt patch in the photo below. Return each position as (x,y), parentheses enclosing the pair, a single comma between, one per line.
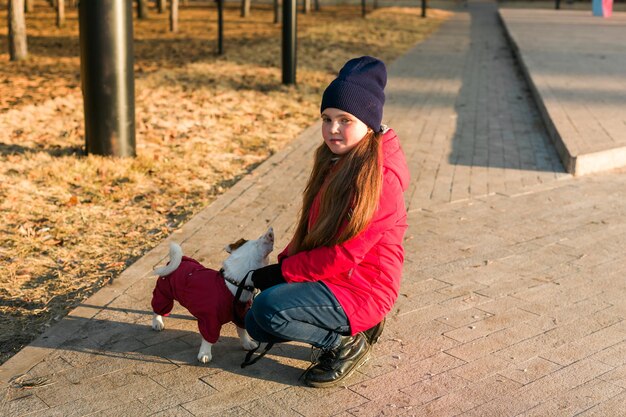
(70,223)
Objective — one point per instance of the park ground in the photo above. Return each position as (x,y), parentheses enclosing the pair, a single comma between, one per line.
(70,223)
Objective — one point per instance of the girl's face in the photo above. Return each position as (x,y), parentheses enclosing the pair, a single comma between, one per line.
(341,130)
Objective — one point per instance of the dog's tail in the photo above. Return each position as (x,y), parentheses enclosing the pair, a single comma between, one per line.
(176,256)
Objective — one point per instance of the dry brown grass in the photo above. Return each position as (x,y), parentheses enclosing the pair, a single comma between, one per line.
(71,223)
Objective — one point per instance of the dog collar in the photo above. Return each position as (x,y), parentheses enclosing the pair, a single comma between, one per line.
(235,283)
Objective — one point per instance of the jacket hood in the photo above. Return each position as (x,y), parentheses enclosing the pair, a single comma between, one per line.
(394,159)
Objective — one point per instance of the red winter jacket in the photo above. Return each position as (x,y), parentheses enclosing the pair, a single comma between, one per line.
(364,272)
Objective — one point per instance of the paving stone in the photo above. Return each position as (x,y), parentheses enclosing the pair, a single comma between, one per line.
(467,300)
(529,371)
(80,375)
(585,346)
(509,406)
(177,411)
(181,385)
(562,380)
(489,325)
(234,412)
(491,387)
(133,408)
(434,365)
(49,366)
(449,405)
(500,342)
(616,377)
(23,405)
(540,342)
(500,305)
(615,406)
(334,402)
(464,318)
(553,313)
(575,401)
(434,387)
(614,355)
(482,368)
(397,403)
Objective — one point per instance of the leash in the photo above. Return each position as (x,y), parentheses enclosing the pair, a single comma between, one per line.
(249,361)
(238,284)
(240,287)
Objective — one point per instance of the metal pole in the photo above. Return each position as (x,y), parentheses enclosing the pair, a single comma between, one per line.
(106,67)
(289,41)
(423,8)
(557,4)
(220,27)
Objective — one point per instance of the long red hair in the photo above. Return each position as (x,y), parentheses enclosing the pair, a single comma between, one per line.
(349,187)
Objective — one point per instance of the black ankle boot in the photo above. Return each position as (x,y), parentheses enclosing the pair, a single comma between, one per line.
(374,333)
(339,363)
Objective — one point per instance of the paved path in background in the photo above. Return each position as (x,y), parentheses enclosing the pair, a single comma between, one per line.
(513,297)
(577,65)
(470,124)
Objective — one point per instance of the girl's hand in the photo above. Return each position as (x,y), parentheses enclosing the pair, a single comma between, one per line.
(268,276)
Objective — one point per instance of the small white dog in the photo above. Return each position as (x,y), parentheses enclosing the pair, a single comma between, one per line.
(208,294)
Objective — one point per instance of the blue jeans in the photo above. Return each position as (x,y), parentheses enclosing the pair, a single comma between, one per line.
(305,312)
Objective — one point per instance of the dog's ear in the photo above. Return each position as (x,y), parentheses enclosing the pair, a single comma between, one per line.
(234,246)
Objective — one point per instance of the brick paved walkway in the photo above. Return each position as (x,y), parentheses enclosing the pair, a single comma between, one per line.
(513,297)
(471,126)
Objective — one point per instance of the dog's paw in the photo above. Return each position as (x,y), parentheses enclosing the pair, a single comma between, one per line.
(249,344)
(157,323)
(204,358)
(204,355)
(246,341)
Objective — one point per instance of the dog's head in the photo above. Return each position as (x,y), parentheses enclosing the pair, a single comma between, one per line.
(246,255)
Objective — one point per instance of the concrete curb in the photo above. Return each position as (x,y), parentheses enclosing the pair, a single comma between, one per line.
(576,161)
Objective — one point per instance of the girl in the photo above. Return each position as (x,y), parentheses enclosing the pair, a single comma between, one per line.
(340,274)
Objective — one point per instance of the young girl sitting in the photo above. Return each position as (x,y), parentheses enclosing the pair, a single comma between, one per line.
(340,274)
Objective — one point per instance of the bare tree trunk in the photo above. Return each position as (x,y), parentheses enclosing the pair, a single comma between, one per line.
(18,48)
(142,9)
(174,16)
(375,4)
(220,27)
(161,5)
(317,5)
(245,8)
(60,13)
(29,6)
(278,11)
(306,6)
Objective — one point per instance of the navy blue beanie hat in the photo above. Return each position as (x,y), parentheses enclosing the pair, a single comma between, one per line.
(358,90)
